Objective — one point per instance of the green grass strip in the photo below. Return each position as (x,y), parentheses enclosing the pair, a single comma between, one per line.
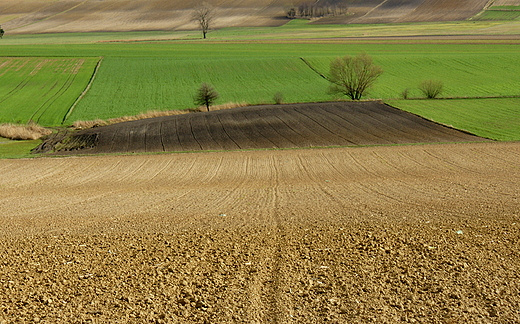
(495,118)
(16,149)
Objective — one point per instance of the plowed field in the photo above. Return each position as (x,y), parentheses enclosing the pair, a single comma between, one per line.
(424,234)
(284,126)
(390,11)
(40,16)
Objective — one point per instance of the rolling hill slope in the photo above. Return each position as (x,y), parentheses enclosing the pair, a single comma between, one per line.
(40,16)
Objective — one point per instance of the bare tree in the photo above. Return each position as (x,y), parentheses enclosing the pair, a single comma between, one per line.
(352,76)
(1,32)
(204,14)
(206,95)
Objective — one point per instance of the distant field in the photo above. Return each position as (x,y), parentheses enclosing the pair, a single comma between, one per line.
(44,16)
(293,30)
(41,89)
(497,119)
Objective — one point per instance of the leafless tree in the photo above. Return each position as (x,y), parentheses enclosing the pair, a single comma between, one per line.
(352,76)
(204,14)
(206,95)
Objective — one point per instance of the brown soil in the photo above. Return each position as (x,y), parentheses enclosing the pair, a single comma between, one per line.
(397,11)
(41,16)
(403,234)
(258,127)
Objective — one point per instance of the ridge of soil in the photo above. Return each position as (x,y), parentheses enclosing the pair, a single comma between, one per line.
(261,127)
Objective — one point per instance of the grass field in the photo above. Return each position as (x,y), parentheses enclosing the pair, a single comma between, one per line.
(131,86)
(128,86)
(468,74)
(497,119)
(16,149)
(497,13)
(295,30)
(41,89)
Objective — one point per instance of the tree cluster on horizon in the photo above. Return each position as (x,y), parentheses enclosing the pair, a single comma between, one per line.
(317,9)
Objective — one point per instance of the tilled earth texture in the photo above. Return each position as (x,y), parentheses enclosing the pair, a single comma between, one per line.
(257,127)
(44,16)
(403,234)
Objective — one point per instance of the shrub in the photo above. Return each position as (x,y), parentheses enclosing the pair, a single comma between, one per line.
(206,96)
(431,88)
(352,76)
(278,98)
(405,94)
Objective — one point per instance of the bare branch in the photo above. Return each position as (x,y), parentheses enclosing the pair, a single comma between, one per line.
(204,14)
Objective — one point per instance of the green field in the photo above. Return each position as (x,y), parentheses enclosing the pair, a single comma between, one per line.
(491,15)
(499,13)
(497,119)
(137,77)
(297,29)
(16,149)
(129,86)
(41,89)
(468,74)
(253,73)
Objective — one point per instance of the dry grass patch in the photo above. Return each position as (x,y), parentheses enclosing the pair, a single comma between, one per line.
(30,131)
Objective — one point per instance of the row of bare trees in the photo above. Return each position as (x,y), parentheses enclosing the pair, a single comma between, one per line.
(317,9)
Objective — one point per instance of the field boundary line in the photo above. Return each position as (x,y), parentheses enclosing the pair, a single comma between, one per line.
(314,69)
(87,88)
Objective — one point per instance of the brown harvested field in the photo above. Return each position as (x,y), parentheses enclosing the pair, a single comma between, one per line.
(402,234)
(392,11)
(277,126)
(42,16)
(445,10)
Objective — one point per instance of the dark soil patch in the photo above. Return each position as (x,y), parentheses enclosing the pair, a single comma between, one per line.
(262,127)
